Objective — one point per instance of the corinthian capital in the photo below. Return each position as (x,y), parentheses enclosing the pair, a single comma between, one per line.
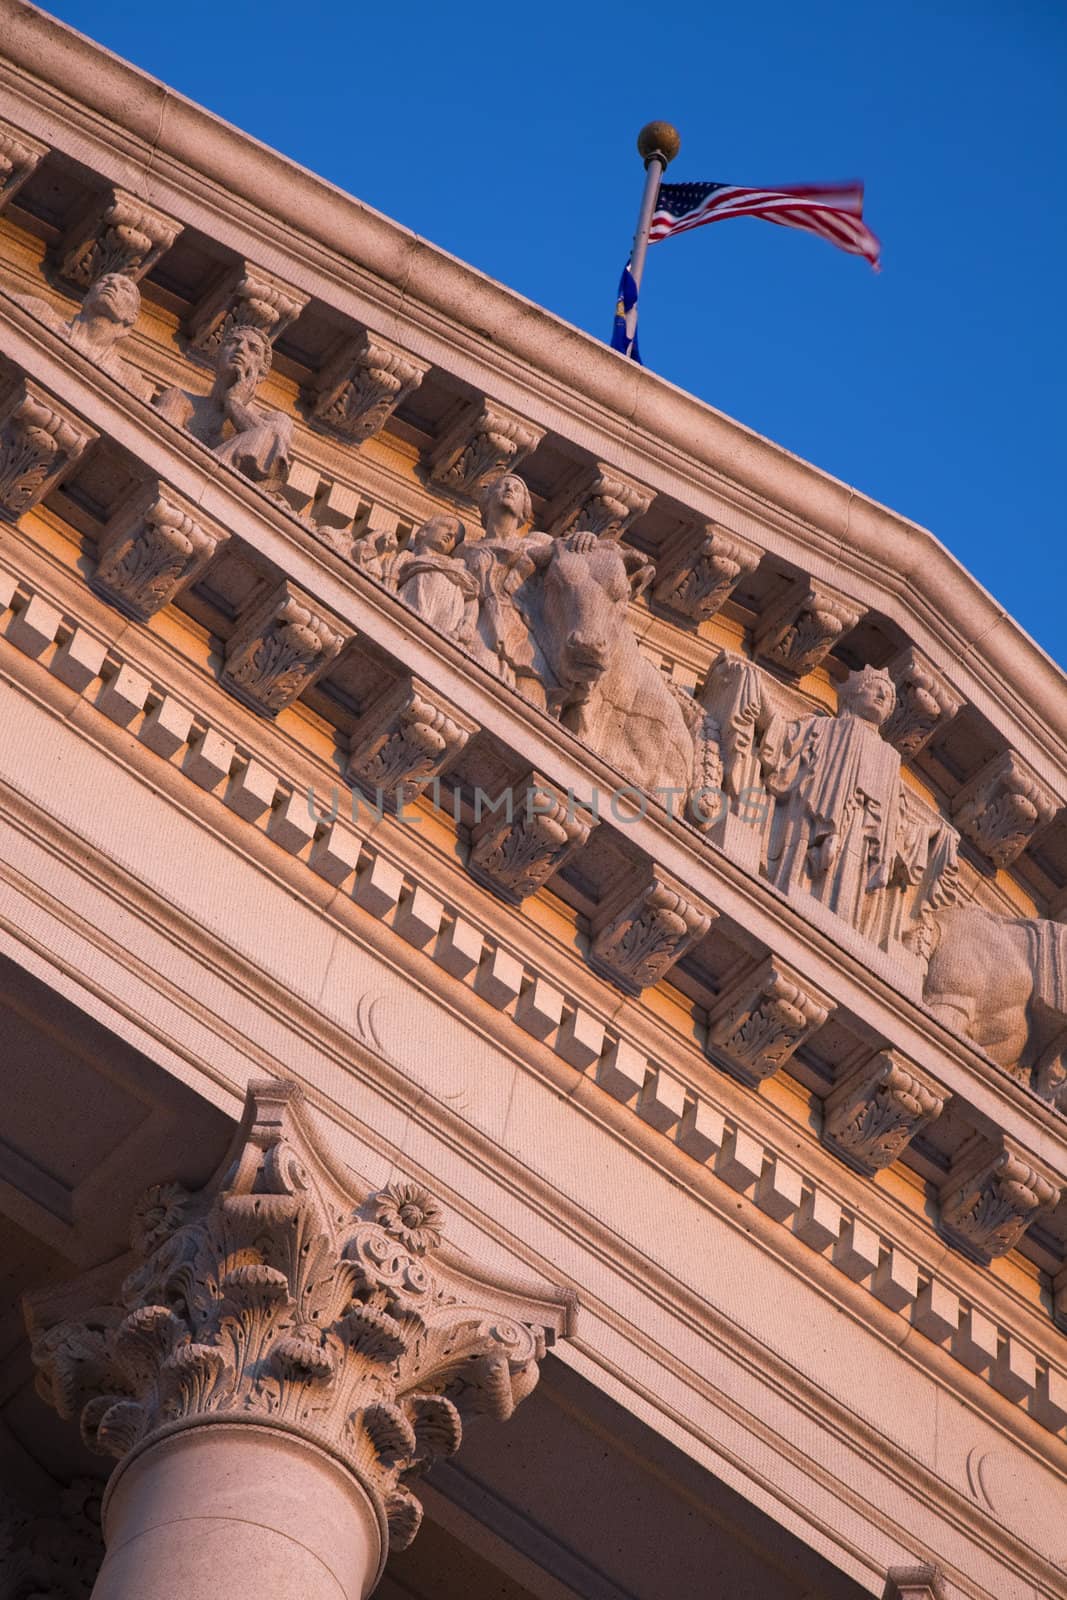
(279,1296)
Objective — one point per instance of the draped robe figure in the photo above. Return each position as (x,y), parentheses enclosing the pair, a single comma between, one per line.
(436,583)
(840,819)
(239,432)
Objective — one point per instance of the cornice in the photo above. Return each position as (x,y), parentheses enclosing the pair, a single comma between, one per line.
(176,155)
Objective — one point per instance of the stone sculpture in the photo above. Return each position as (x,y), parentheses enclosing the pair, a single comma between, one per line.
(109,310)
(500,562)
(437,583)
(1002,981)
(255,441)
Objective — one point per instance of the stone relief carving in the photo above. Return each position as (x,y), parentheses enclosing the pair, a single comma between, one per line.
(989,1199)
(404,742)
(20,156)
(40,441)
(926,703)
(483,445)
(277,1296)
(1002,808)
(636,937)
(255,441)
(517,852)
(762,1019)
(1002,981)
(151,549)
(800,630)
(433,580)
(244,297)
(604,505)
(108,312)
(114,233)
(697,582)
(360,387)
(278,650)
(873,1115)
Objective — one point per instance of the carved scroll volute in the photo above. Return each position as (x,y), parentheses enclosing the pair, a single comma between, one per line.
(484,443)
(279,649)
(404,742)
(926,703)
(246,296)
(991,1197)
(360,387)
(639,933)
(696,575)
(762,1020)
(871,1117)
(1003,807)
(20,156)
(280,1295)
(40,442)
(114,232)
(605,502)
(530,832)
(800,629)
(152,548)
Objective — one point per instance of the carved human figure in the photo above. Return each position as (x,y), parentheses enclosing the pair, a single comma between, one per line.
(500,561)
(254,441)
(437,583)
(110,309)
(837,825)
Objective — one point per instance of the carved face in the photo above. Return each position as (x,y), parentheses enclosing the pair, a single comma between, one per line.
(585,601)
(440,535)
(507,496)
(243,356)
(869,694)
(115,297)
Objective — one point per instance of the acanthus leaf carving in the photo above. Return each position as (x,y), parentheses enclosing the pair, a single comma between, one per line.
(516,852)
(20,156)
(1003,807)
(990,1198)
(114,232)
(40,442)
(638,935)
(152,548)
(361,386)
(926,702)
(871,1117)
(696,579)
(604,503)
(762,1020)
(244,296)
(800,629)
(404,742)
(485,443)
(282,1295)
(279,649)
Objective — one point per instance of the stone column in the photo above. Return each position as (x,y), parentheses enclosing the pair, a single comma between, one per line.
(277,1360)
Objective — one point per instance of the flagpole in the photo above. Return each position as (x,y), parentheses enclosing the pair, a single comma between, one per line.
(657,144)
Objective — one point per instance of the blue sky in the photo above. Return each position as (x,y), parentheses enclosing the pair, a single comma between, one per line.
(506,135)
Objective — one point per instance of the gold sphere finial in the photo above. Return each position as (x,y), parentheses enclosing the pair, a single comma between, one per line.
(658,139)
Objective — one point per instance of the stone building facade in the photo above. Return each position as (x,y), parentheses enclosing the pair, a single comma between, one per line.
(535,994)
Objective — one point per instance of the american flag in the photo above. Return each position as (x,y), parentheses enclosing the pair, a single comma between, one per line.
(834,211)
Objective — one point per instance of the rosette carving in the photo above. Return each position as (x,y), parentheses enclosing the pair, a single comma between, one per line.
(276,1296)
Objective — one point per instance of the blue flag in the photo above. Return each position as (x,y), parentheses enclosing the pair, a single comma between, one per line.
(624,331)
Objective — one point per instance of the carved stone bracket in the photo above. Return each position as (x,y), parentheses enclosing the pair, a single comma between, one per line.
(800,629)
(279,649)
(989,1199)
(871,1117)
(407,739)
(281,1296)
(152,548)
(926,702)
(638,936)
(114,232)
(696,580)
(922,1582)
(245,296)
(482,445)
(40,441)
(515,851)
(605,504)
(20,156)
(761,1020)
(1002,807)
(360,387)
